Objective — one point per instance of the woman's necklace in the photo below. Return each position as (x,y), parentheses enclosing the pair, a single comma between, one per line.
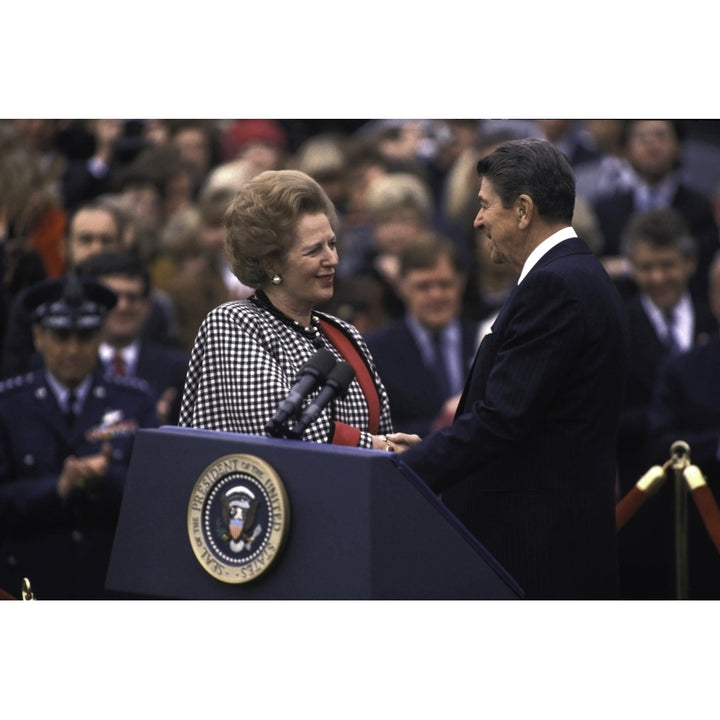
(311,333)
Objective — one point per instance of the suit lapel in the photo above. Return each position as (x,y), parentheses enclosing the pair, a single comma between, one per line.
(487,351)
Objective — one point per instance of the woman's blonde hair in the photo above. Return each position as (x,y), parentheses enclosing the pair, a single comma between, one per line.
(261,221)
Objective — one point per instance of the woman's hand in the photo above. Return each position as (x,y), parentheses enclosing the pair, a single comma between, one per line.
(381,442)
(402,441)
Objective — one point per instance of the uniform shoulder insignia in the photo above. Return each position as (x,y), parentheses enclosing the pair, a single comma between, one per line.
(17,382)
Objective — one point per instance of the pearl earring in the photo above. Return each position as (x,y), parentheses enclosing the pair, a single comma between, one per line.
(276,279)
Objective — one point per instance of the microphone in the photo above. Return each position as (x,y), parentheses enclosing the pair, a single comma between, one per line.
(312,374)
(337,384)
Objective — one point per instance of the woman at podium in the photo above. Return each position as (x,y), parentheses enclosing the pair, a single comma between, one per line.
(259,365)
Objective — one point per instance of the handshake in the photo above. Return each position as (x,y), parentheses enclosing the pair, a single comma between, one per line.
(395,442)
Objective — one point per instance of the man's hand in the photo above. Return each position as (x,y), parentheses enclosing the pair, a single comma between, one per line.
(83,472)
(402,441)
(165,403)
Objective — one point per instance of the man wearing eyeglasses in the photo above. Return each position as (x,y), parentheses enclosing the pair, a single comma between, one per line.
(125,348)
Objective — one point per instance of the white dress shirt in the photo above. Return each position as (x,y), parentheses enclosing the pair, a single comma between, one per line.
(547,244)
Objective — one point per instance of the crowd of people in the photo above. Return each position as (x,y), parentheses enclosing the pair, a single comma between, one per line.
(140,207)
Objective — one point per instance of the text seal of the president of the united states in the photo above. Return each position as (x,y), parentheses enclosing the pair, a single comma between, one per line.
(238,518)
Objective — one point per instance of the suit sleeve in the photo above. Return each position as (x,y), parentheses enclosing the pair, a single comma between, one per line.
(525,363)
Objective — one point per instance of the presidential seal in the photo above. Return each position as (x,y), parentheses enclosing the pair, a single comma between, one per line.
(238,518)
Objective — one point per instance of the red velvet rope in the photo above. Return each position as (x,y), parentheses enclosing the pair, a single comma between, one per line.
(646,486)
(628,506)
(709,512)
(705,503)
(651,481)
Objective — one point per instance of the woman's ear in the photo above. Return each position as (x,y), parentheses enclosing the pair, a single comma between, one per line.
(267,267)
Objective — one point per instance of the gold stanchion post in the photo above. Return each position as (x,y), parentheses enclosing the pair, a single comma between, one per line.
(680,459)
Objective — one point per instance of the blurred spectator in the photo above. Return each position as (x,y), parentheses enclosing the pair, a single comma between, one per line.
(363,165)
(587,226)
(458,205)
(359,300)
(571,138)
(610,172)
(21,264)
(323,158)
(179,248)
(423,357)
(156,132)
(263,144)
(654,151)
(406,145)
(206,282)
(399,208)
(40,138)
(453,138)
(487,282)
(66,434)
(91,228)
(94,227)
(156,184)
(684,407)
(140,237)
(715,202)
(32,217)
(664,319)
(123,349)
(197,144)
(86,178)
(231,175)
(662,255)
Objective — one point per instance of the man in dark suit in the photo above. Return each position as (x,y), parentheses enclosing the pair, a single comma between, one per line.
(663,257)
(664,320)
(528,464)
(685,406)
(124,350)
(424,384)
(654,150)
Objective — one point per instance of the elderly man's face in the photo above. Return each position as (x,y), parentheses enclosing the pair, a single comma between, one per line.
(70,355)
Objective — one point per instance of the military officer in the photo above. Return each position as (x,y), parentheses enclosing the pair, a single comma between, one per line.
(66,434)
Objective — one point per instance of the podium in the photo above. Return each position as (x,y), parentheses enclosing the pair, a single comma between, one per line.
(361,526)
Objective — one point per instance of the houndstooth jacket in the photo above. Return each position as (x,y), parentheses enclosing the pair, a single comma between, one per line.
(243,365)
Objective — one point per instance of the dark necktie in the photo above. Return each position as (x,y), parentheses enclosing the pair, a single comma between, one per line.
(671,340)
(119,366)
(70,409)
(440,365)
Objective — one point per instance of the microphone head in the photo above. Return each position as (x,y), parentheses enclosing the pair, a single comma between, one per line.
(320,364)
(341,376)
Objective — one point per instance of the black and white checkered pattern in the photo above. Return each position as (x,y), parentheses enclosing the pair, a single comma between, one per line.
(243,365)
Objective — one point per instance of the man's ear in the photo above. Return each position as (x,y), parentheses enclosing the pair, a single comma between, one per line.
(524,210)
(37,336)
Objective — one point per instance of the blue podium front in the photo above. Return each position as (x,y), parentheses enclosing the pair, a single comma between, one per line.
(356,524)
